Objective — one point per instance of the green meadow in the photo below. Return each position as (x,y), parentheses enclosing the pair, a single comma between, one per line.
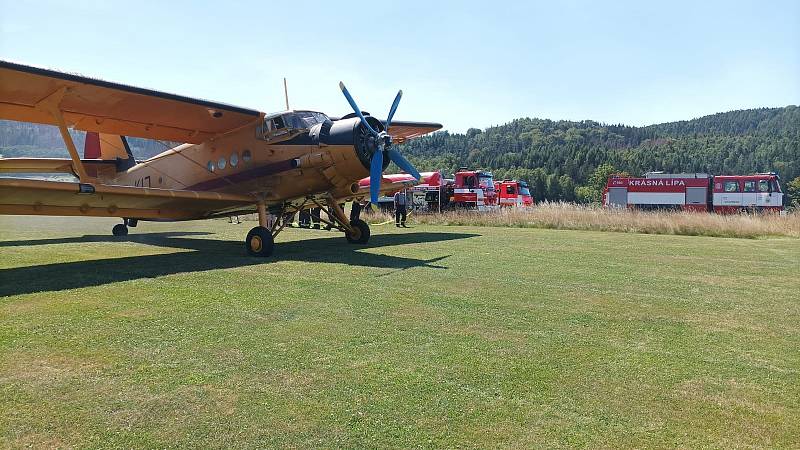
(433,336)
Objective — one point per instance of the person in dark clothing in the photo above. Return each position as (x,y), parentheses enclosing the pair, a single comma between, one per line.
(355,211)
(315,213)
(400,213)
(304,219)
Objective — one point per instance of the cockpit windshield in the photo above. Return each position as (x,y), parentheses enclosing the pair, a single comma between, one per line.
(303,119)
(281,124)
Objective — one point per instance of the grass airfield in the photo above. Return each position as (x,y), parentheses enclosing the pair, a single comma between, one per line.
(433,336)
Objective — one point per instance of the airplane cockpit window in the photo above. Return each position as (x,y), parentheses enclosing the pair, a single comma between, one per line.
(284,123)
(304,119)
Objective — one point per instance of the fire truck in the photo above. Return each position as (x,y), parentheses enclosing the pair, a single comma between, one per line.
(696,192)
(473,189)
(512,193)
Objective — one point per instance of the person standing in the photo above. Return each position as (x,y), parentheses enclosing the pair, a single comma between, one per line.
(315,217)
(355,211)
(305,218)
(400,213)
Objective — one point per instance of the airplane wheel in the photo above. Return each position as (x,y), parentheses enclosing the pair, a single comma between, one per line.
(360,233)
(119,230)
(259,242)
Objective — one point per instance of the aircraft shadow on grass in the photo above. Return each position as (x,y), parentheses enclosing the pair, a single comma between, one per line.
(207,254)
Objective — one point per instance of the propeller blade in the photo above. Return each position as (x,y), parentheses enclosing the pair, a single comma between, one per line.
(375,174)
(393,109)
(403,163)
(355,108)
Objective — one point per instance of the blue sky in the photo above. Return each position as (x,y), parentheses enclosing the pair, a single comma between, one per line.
(464,64)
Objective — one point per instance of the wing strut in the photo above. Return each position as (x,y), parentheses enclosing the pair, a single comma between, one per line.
(52,105)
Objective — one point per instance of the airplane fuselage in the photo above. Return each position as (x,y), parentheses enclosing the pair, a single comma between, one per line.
(287,166)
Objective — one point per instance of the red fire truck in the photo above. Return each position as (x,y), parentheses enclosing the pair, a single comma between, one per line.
(512,193)
(474,189)
(696,192)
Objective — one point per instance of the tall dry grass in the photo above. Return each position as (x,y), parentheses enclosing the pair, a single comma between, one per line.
(568,216)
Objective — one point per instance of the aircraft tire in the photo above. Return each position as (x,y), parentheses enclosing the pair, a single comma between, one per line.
(360,234)
(119,230)
(259,242)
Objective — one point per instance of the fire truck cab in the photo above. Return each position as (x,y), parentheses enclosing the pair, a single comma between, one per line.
(760,192)
(474,189)
(512,193)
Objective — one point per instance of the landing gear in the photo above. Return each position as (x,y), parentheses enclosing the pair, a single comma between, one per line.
(120,229)
(259,242)
(358,233)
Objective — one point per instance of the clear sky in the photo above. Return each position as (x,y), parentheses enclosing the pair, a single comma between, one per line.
(464,64)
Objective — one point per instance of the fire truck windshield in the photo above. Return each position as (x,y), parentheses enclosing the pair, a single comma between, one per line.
(523,189)
(486,181)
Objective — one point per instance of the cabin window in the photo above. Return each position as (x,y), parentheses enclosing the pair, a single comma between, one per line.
(731,186)
(750,186)
(234,159)
(763,186)
(510,190)
(210,166)
(775,186)
(221,163)
(246,156)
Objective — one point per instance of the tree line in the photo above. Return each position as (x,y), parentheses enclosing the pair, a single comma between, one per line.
(563,160)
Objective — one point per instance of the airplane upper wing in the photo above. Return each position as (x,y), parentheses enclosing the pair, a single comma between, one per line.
(95,105)
(57,198)
(403,131)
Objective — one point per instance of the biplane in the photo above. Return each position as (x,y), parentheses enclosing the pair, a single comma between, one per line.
(231,161)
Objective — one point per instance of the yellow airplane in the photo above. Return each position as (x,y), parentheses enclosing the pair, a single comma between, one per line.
(234,160)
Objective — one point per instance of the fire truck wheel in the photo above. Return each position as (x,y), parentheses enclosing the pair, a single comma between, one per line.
(360,233)
(259,242)
(119,230)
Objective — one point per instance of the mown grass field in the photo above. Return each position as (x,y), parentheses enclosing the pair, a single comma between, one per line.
(432,337)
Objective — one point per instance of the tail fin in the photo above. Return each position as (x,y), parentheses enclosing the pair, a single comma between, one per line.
(106,146)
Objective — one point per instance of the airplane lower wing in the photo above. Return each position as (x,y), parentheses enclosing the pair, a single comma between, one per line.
(57,198)
(35,165)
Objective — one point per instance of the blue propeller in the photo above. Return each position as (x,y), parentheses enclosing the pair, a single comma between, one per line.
(384,141)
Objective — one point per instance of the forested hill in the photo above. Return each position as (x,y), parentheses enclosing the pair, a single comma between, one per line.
(21,139)
(556,156)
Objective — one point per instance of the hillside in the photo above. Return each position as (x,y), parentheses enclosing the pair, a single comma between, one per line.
(18,139)
(557,156)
